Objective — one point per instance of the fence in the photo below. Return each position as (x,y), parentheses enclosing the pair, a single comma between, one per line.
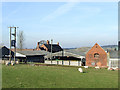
(63,62)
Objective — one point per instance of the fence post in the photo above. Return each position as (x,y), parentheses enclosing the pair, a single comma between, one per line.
(69,62)
(62,62)
(51,61)
(57,63)
(78,62)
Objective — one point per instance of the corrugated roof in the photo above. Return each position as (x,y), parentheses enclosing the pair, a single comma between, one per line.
(79,51)
(65,54)
(30,53)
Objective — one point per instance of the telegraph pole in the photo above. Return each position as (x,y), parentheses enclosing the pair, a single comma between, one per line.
(12,41)
(51,50)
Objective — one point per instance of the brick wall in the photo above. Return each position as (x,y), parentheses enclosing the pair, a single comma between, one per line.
(96,56)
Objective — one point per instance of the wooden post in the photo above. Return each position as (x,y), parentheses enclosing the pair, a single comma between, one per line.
(51,50)
(62,62)
(69,62)
(57,62)
(78,62)
(62,53)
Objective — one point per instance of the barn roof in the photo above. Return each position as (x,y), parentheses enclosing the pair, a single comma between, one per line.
(79,51)
(65,54)
(55,47)
(32,53)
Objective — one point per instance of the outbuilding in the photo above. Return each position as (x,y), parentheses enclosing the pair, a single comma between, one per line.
(96,56)
(5,52)
(31,56)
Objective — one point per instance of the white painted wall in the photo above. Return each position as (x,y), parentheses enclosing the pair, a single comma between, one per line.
(72,63)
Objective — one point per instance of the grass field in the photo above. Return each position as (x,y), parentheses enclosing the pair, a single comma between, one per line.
(26,76)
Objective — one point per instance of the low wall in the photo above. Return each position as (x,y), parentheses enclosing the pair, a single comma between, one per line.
(71,63)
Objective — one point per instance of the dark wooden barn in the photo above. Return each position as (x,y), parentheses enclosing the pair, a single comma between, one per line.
(5,52)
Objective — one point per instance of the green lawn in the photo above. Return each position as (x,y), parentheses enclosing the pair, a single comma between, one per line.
(26,76)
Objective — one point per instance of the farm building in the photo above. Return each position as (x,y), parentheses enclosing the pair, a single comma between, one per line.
(68,55)
(47,47)
(5,52)
(31,56)
(96,56)
(103,57)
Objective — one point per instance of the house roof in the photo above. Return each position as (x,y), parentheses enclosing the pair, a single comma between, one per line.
(55,47)
(33,53)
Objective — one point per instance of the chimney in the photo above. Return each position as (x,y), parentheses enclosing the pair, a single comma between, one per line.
(57,43)
(47,41)
(37,44)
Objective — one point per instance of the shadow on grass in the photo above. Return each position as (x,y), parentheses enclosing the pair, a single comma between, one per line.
(85,72)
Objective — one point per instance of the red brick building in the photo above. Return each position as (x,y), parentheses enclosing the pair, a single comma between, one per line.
(47,47)
(96,56)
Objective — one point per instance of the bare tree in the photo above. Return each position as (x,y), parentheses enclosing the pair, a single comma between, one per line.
(21,40)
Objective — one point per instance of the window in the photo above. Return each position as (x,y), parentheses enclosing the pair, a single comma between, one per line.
(96,55)
(93,63)
(96,45)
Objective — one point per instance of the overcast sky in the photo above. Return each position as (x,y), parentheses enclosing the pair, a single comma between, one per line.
(72,24)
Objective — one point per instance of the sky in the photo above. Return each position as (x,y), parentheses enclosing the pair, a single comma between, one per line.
(72,24)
